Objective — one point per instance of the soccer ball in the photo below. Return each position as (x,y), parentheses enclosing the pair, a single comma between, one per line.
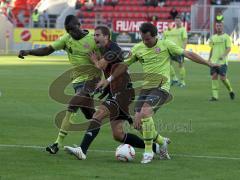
(125,153)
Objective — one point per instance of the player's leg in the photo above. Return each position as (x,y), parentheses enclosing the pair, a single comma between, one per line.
(182,71)
(226,82)
(154,100)
(91,133)
(215,84)
(128,138)
(148,129)
(80,99)
(174,78)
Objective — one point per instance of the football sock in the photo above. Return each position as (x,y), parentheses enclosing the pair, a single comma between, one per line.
(227,84)
(135,141)
(157,138)
(147,131)
(182,74)
(215,88)
(90,135)
(173,74)
(64,128)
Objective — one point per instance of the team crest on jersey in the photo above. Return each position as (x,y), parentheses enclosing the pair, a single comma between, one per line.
(157,50)
(87,46)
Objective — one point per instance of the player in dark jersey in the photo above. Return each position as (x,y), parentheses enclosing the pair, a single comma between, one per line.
(118,87)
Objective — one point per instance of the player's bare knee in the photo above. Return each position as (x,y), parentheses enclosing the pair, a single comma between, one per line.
(118,135)
(223,78)
(214,77)
(101,113)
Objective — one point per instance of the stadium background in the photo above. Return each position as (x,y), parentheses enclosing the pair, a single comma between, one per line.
(123,17)
(205,135)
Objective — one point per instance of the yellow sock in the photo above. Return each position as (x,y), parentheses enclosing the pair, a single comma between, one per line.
(64,128)
(173,73)
(157,138)
(182,73)
(147,131)
(227,85)
(215,88)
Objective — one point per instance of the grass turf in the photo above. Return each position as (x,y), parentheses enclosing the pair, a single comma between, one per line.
(202,132)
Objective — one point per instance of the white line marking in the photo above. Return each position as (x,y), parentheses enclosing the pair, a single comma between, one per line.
(109,151)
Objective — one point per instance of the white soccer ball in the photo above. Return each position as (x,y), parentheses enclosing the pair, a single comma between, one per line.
(125,152)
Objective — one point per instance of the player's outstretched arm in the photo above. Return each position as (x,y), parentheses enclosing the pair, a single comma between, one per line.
(36,52)
(198,59)
(119,69)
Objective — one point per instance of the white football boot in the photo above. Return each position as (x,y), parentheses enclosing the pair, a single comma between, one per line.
(147,158)
(76,151)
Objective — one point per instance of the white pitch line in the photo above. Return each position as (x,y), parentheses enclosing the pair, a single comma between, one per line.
(109,151)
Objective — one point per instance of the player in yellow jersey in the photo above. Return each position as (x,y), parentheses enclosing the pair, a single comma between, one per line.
(220,47)
(178,35)
(154,56)
(78,44)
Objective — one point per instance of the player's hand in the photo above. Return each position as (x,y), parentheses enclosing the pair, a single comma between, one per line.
(137,123)
(102,84)
(23,53)
(93,56)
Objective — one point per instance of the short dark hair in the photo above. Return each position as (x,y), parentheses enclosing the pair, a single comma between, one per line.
(105,30)
(149,27)
(68,19)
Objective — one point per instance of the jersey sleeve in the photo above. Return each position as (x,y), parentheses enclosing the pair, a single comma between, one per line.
(60,43)
(228,42)
(164,35)
(184,34)
(173,48)
(211,42)
(132,57)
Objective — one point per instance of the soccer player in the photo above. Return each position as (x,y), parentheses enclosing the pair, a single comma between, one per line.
(78,44)
(154,56)
(220,47)
(120,93)
(179,36)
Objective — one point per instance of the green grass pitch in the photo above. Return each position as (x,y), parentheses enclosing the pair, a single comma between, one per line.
(205,135)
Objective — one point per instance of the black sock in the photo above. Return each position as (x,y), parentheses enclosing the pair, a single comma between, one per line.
(90,135)
(135,141)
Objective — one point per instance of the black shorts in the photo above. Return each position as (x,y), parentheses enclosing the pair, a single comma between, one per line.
(179,59)
(222,70)
(155,97)
(83,97)
(118,105)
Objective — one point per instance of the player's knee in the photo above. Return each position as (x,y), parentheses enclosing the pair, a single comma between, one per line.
(118,135)
(214,77)
(223,78)
(100,114)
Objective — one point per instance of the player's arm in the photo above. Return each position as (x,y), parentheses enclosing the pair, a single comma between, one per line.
(185,38)
(119,69)
(36,52)
(185,43)
(132,58)
(196,58)
(176,50)
(210,56)
(95,59)
(227,51)
(228,48)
